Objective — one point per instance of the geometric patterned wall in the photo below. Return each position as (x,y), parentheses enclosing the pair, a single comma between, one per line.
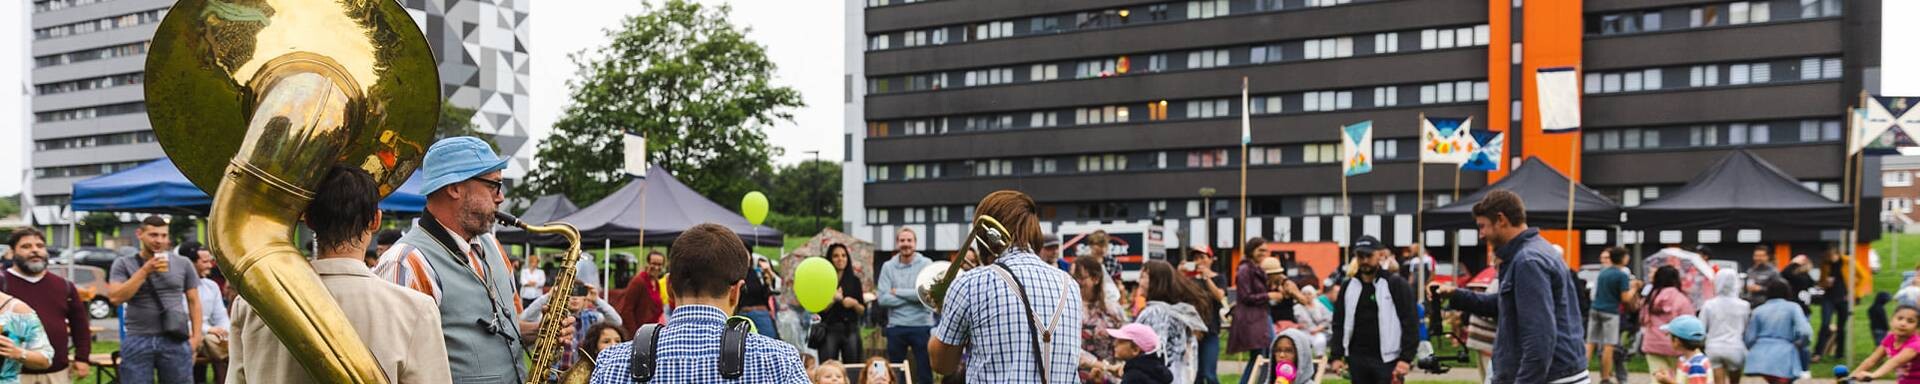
(481,46)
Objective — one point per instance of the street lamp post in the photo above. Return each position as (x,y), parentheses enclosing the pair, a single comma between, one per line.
(1206,194)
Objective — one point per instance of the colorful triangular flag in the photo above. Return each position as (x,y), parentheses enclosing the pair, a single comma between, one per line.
(1487,156)
(1356,148)
(1444,140)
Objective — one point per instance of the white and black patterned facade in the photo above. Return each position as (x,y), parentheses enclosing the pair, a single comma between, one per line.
(482,49)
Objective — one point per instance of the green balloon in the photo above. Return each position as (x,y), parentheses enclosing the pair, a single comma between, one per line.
(814,283)
(754,206)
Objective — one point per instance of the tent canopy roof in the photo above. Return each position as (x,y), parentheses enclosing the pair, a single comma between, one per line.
(1742,191)
(1544,191)
(154,187)
(670,208)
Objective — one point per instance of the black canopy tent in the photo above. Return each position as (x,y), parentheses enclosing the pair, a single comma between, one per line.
(1743,192)
(543,210)
(1544,191)
(671,207)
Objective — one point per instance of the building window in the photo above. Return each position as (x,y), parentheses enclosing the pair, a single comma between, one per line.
(1704,16)
(1320,153)
(1157,111)
(1207,9)
(1326,3)
(1207,158)
(1203,109)
(992,30)
(1045,165)
(1327,101)
(1898,179)
(1386,42)
(1743,12)
(1703,76)
(1157,63)
(1329,48)
(1386,149)
(1044,72)
(878,42)
(1207,59)
(1100,115)
(1096,68)
(1263,155)
(1819,8)
(1386,96)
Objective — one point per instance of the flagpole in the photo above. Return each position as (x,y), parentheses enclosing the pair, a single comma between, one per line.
(1420,196)
(1246,129)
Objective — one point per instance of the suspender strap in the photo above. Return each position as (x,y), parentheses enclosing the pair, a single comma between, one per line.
(1042,341)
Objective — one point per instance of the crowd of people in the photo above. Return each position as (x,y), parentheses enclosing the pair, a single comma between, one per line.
(444,302)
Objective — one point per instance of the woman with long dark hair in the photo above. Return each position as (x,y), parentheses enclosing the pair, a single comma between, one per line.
(842,316)
(1669,301)
(1096,347)
(1775,335)
(1174,305)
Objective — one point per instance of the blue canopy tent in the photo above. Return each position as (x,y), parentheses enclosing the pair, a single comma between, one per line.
(408,198)
(159,187)
(154,187)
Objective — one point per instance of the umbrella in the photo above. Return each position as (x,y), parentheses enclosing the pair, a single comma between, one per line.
(1696,275)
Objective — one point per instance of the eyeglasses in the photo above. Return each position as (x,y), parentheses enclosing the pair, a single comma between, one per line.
(493,184)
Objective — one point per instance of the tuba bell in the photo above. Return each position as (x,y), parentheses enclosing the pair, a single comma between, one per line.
(985,241)
(254,100)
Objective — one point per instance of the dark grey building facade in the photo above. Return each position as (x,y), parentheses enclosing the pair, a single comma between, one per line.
(1122,110)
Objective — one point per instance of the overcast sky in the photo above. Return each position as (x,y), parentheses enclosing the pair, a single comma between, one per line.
(802,37)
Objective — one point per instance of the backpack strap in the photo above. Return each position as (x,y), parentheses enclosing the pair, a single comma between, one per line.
(640,364)
(733,348)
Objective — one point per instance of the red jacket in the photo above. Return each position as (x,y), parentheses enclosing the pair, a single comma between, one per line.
(641,303)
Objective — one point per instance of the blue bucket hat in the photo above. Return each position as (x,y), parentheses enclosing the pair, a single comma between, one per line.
(456,159)
(1686,327)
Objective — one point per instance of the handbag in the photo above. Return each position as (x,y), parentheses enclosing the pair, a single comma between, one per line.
(817,336)
(174,327)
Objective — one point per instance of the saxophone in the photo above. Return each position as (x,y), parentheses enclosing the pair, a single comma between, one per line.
(547,341)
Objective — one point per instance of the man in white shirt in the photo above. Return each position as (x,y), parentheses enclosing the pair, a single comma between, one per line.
(532,279)
(214,321)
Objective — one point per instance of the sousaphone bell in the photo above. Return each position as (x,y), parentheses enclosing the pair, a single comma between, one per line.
(254,100)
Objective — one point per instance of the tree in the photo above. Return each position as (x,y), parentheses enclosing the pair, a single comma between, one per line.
(456,121)
(9,205)
(683,76)
(808,190)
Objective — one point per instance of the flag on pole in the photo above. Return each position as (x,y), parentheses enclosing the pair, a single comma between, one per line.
(1444,140)
(635,149)
(1487,156)
(1246,109)
(1356,148)
(1559,93)
(1882,115)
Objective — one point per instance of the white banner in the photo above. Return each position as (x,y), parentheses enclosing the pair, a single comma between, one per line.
(1559,98)
(635,147)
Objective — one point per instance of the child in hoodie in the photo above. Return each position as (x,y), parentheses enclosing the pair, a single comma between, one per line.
(1136,344)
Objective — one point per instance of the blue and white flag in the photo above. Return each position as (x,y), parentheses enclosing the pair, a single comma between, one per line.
(1356,148)
(1487,156)
(1559,97)
(1246,110)
(1444,140)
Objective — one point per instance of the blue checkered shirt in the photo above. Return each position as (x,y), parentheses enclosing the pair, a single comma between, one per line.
(984,314)
(689,352)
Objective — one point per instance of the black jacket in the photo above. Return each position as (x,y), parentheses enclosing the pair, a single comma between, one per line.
(1403,305)
(1148,368)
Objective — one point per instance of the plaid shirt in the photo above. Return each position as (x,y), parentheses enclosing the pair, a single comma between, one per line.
(985,314)
(689,350)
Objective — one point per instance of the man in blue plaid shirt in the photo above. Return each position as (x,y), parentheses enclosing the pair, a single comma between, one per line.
(983,313)
(706,267)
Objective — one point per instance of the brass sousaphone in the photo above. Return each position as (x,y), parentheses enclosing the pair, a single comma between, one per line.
(254,100)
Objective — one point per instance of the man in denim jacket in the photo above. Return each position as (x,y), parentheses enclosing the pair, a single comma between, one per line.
(1540,325)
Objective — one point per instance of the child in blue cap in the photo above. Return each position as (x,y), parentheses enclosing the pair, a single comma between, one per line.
(1690,337)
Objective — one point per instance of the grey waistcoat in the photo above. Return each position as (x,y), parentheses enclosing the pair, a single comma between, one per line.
(474,354)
